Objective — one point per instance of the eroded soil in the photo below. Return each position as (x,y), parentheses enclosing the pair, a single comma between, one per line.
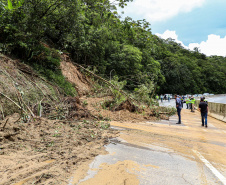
(48,151)
(44,151)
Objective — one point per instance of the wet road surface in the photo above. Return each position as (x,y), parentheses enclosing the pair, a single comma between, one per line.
(162,152)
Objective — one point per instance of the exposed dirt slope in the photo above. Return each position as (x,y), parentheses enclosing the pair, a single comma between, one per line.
(18,80)
(44,151)
(70,71)
(19,83)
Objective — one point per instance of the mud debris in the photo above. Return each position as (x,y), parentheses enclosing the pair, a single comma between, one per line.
(48,151)
(127,105)
(63,134)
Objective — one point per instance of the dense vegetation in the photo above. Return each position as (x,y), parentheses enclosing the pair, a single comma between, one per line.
(95,36)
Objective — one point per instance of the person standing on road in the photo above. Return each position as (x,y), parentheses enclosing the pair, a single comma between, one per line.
(187,102)
(179,107)
(168,98)
(203,108)
(192,104)
(161,97)
(182,100)
(205,100)
(157,97)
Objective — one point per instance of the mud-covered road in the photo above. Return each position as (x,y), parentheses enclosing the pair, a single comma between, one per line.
(161,152)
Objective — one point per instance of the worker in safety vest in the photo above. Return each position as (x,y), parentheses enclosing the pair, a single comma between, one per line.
(205,100)
(192,104)
(157,97)
(187,102)
(181,99)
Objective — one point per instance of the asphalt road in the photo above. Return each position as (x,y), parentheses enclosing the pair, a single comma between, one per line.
(215,99)
(159,165)
(162,152)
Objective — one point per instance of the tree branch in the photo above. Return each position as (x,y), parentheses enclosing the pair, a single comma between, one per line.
(45,13)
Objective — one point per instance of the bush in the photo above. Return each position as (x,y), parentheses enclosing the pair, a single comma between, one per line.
(142,93)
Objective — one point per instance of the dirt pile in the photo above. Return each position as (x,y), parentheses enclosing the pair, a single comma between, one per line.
(75,109)
(125,111)
(68,108)
(48,151)
(127,105)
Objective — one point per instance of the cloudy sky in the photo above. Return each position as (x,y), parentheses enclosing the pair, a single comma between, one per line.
(193,23)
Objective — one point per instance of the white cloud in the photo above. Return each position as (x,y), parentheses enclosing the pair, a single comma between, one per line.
(170,34)
(213,46)
(159,10)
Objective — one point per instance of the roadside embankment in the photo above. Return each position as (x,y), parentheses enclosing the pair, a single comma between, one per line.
(216,110)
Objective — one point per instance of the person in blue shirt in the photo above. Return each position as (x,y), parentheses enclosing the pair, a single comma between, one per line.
(179,107)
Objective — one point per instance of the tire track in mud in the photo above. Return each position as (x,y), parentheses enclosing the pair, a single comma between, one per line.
(51,152)
(25,169)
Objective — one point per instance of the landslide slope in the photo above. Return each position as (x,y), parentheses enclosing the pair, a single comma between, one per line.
(22,88)
(48,146)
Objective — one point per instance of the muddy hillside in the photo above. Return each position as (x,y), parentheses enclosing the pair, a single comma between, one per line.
(44,134)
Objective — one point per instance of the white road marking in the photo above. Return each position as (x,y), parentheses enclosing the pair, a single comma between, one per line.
(214,170)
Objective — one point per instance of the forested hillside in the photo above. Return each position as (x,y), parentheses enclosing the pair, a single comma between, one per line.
(94,35)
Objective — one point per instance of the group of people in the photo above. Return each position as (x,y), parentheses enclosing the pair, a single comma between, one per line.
(190,104)
(190,101)
(163,97)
